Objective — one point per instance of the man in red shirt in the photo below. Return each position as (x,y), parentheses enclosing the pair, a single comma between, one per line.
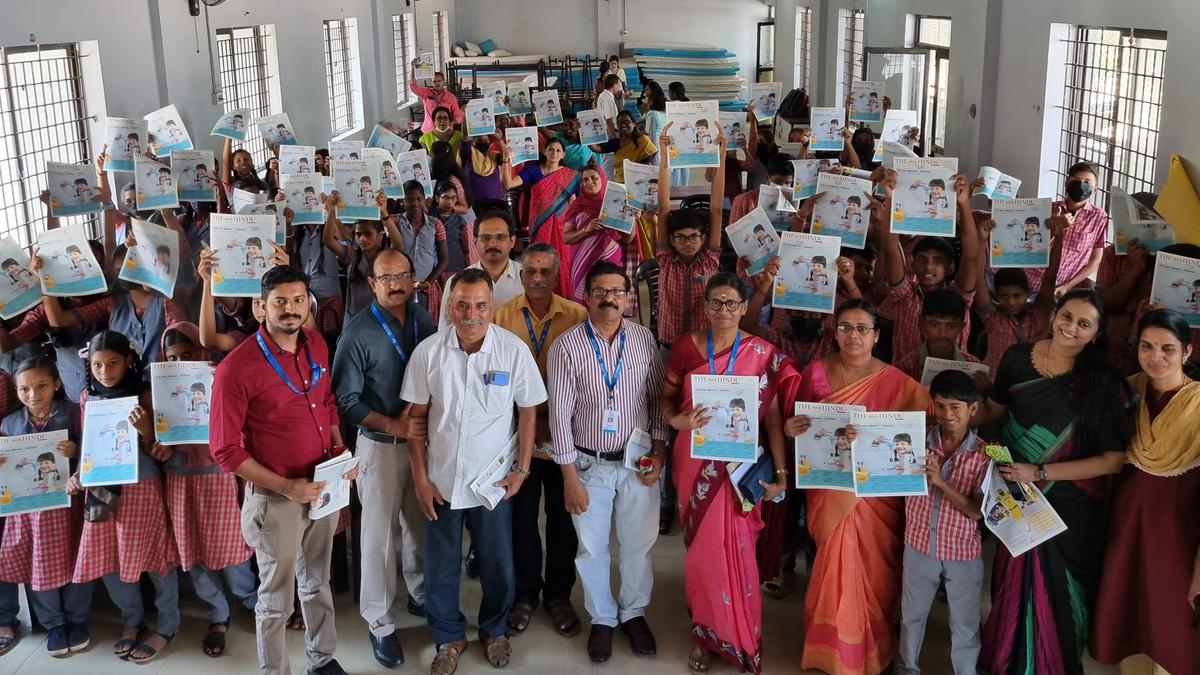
(434,97)
(274,418)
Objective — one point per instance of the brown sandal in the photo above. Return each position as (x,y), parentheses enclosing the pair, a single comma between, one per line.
(566,621)
(446,660)
(498,649)
(519,616)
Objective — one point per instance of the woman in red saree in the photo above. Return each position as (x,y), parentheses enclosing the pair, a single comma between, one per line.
(590,242)
(552,186)
(853,598)
(720,571)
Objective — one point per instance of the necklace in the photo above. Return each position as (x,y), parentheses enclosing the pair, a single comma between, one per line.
(1046,363)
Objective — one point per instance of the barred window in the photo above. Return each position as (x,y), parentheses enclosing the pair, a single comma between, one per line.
(43,118)
(404,42)
(341,53)
(804,17)
(1112,105)
(248,63)
(852,27)
(441,39)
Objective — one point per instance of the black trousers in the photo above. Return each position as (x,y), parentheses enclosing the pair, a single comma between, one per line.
(545,477)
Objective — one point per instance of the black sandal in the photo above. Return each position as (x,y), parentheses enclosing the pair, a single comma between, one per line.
(150,652)
(122,647)
(7,643)
(519,617)
(214,641)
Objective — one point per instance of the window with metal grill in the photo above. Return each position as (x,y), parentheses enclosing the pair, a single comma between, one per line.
(1112,105)
(804,17)
(441,40)
(245,57)
(340,55)
(43,118)
(852,30)
(404,43)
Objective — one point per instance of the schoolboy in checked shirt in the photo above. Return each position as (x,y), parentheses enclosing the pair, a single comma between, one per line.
(941,535)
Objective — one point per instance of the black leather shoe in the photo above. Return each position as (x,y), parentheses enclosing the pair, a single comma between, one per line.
(387,650)
(415,608)
(331,668)
(472,564)
(640,637)
(599,646)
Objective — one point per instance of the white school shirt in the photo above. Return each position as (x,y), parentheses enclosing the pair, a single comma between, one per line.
(507,287)
(606,103)
(470,421)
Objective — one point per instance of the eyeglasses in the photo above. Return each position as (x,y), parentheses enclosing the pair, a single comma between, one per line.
(863,331)
(728,305)
(489,238)
(687,238)
(392,278)
(601,293)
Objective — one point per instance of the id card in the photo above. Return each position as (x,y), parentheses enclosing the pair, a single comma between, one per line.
(612,420)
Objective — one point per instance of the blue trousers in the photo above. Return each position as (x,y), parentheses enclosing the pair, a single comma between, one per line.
(70,604)
(10,602)
(128,599)
(491,536)
(208,584)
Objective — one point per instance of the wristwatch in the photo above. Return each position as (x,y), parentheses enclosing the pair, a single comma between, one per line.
(1041,472)
(523,472)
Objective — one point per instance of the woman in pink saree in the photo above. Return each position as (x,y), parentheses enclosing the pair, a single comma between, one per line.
(853,599)
(720,571)
(552,185)
(590,241)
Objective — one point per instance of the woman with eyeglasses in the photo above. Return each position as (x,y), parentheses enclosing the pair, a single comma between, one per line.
(720,570)
(854,590)
(1149,597)
(1067,422)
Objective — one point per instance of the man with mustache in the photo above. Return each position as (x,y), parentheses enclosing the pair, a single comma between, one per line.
(367,371)
(465,381)
(538,317)
(495,234)
(605,377)
(274,418)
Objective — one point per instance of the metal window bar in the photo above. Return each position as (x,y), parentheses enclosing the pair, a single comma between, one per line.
(339,75)
(1112,105)
(43,118)
(441,40)
(246,81)
(804,51)
(854,62)
(404,43)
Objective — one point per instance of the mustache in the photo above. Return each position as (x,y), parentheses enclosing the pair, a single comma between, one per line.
(471,322)
(611,305)
(538,285)
(493,250)
(290,316)
(400,291)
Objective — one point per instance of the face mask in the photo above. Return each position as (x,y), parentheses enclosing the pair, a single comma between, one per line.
(1079,191)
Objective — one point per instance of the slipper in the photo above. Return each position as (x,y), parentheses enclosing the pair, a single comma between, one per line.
(566,620)
(7,643)
(214,641)
(150,652)
(122,647)
(445,662)
(497,649)
(518,617)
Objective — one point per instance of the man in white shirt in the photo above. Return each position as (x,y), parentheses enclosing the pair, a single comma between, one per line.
(495,234)
(605,377)
(606,102)
(464,382)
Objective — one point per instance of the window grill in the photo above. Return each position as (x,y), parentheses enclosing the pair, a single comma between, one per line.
(246,80)
(339,74)
(441,40)
(1112,106)
(852,66)
(404,43)
(43,118)
(804,47)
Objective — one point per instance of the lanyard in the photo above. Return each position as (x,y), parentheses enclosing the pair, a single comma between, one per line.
(392,336)
(610,383)
(316,370)
(712,366)
(536,343)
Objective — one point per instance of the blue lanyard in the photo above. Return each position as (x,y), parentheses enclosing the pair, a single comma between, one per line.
(392,336)
(316,370)
(536,343)
(610,383)
(712,366)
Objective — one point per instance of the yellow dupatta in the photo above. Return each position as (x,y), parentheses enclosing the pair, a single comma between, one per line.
(1168,446)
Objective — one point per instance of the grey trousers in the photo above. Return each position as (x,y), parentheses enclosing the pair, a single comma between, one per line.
(290,547)
(391,533)
(964,586)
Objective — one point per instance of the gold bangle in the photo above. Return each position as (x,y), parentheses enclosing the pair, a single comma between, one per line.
(780,472)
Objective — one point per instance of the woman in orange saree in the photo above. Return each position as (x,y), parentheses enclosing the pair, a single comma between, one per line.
(853,597)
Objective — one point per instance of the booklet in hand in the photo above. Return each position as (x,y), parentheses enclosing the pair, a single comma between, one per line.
(336,494)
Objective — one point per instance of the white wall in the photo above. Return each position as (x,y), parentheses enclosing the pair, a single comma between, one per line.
(149,57)
(553,28)
(1021,83)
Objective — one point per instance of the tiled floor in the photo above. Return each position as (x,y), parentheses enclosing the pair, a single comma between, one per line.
(540,650)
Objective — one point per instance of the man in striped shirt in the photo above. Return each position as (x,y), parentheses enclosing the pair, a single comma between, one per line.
(605,376)
(941,534)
